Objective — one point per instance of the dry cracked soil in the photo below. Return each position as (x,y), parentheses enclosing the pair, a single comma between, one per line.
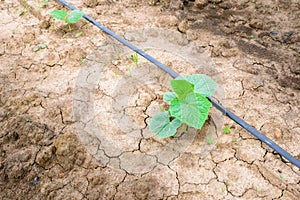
(74,106)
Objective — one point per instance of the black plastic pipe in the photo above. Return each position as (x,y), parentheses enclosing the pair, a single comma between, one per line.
(172,73)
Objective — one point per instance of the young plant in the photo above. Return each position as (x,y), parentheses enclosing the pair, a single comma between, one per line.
(293,47)
(44,2)
(281,176)
(226,129)
(159,2)
(25,5)
(135,58)
(214,5)
(209,140)
(22,11)
(68,18)
(41,46)
(188,104)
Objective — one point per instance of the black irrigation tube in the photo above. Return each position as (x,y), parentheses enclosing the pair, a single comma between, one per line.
(226,112)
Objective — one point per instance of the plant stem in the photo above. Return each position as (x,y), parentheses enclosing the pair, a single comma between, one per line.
(69,25)
(184,128)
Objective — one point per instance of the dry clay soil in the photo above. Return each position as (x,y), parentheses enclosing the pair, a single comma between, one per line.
(255,47)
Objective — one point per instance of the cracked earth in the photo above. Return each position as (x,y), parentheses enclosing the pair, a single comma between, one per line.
(74,114)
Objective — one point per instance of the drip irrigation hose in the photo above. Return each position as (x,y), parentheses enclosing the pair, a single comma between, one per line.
(172,73)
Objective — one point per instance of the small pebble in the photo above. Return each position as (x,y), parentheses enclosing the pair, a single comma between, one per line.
(115,62)
(35,180)
(2,113)
(274,32)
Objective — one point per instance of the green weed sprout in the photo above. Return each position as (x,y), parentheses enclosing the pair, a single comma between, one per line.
(135,58)
(281,176)
(22,11)
(214,5)
(44,2)
(72,17)
(159,2)
(78,34)
(188,104)
(226,129)
(25,4)
(293,47)
(209,140)
(41,46)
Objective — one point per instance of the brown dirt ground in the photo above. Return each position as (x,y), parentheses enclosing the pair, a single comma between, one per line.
(255,46)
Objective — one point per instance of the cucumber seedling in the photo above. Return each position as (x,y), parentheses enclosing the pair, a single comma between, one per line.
(68,18)
(188,104)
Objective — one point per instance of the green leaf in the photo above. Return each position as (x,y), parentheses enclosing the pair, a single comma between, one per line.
(193,110)
(59,14)
(78,34)
(21,12)
(169,96)
(202,84)
(182,88)
(74,16)
(161,125)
